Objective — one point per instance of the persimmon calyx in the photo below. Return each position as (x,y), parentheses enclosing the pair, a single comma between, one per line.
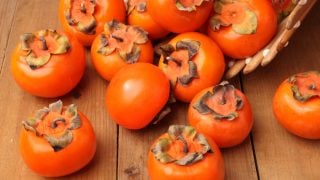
(305,86)
(40,46)
(55,124)
(80,14)
(189,5)
(192,145)
(222,102)
(179,60)
(165,110)
(138,5)
(236,14)
(123,39)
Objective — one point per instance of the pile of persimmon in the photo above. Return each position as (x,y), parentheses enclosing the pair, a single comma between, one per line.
(192,38)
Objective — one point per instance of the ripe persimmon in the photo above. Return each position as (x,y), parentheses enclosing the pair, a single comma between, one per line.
(118,46)
(296,104)
(57,140)
(184,154)
(48,63)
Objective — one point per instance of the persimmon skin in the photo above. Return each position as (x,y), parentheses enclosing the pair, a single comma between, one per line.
(210,66)
(166,14)
(144,20)
(105,11)
(301,119)
(136,94)
(242,46)
(40,157)
(211,167)
(225,133)
(56,78)
(108,66)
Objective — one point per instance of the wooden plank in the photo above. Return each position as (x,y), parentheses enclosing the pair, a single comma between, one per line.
(134,146)
(17,104)
(281,155)
(7,9)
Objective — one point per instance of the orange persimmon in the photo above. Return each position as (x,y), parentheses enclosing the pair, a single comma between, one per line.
(184,154)
(180,16)
(85,19)
(137,94)
(192,62)
(296,104)
(118,46)
(48,63)
(223,113)
(57,141)
(241,28)
(139,15)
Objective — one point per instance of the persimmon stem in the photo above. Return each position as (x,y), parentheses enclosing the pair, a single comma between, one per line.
(313,86)
(54,123)
(223,97)
(83,7)
(43,43)
(119,39)
(169,58)
(185,144)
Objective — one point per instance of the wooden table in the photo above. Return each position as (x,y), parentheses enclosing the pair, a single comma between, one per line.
(269,153)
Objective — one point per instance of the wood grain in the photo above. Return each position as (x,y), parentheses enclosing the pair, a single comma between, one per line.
(7,10)
(17,104)
(281,155)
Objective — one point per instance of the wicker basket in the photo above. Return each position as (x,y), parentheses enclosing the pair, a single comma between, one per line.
(286,29)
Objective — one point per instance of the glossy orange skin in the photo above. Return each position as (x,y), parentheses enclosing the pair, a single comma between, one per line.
(242,46)
(105,11)
(145,21)
(136,94)
(166,14)
(225,133)
(40,157)
(210,66)
(211,167)
(108,66)
(301,119)
(56,78)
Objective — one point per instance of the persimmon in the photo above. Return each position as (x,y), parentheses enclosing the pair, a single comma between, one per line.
(181,15)
(296,104)
(85,19)
(57,140)
(192,62)
(241,28)
(184,154)
(139,15)
(223,113)
(48,63)
(137,95)
(118,46)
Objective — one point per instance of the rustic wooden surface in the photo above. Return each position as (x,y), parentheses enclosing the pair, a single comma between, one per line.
(269,153)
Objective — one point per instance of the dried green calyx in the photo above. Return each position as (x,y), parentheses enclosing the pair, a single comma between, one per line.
(80,14)
(305,86)
(179,61)
(193,146)
(222,102)
(189,5)
(236,14)
(138,5)
(123,39)
(55,124)
(40,46)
